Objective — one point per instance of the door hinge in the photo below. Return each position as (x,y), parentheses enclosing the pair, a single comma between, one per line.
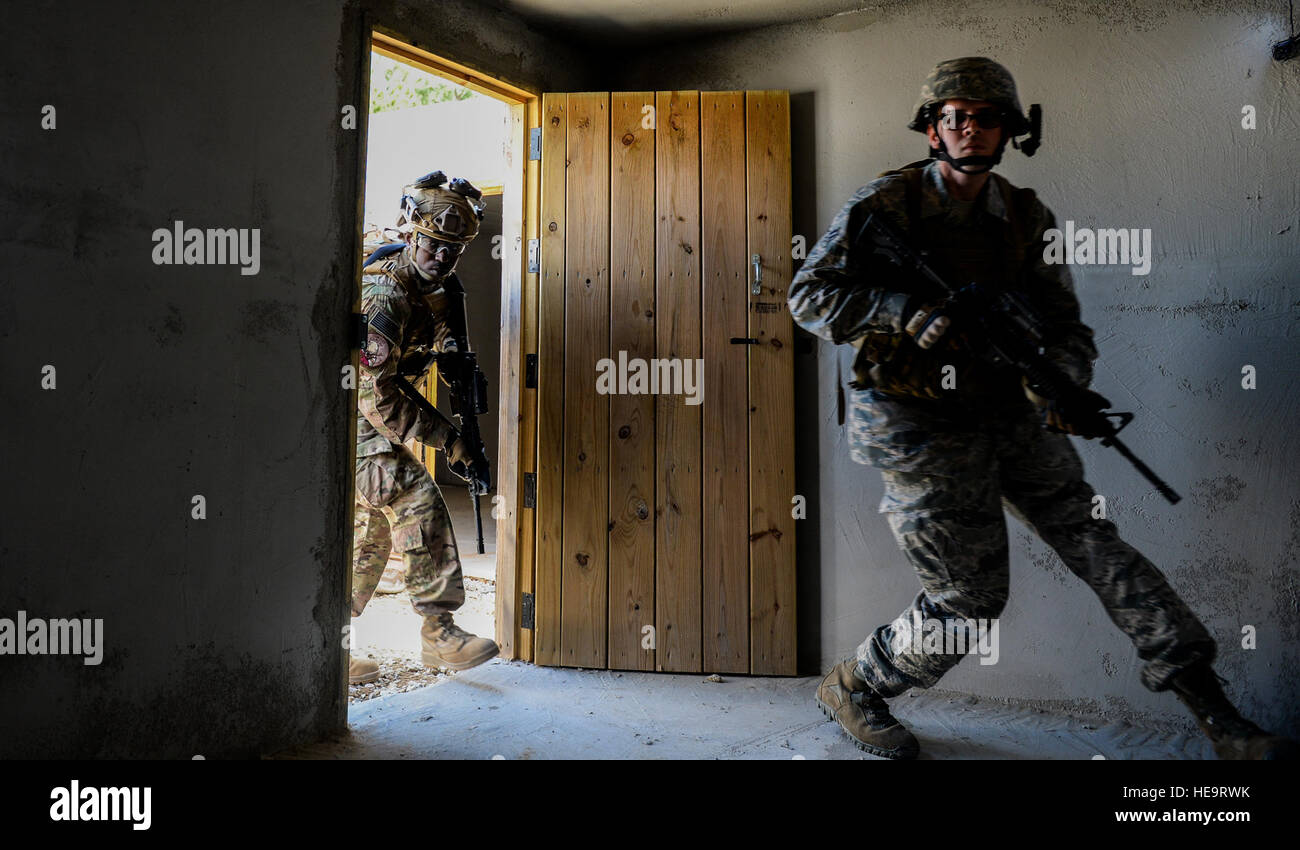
(527,606)
(534,256)
(535,143)
(530,371)
(530,489)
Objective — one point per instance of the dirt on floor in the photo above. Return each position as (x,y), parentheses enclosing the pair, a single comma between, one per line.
(400,668)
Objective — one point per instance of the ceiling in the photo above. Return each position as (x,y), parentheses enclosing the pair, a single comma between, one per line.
(636,20)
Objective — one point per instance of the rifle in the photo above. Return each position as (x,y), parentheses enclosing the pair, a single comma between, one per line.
(1005,330)
(467,387)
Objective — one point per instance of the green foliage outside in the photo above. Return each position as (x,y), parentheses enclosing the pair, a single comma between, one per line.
(394,85)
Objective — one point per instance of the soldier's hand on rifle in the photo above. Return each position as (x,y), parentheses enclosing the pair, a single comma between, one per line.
(458,453)
(480,474)
(465,463)
(928,324)
(1087,404)
(475,473)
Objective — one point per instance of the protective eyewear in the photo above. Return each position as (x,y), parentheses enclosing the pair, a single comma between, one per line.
(433,246)
(956,119)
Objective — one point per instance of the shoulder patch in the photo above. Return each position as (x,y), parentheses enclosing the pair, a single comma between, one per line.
(376,351)
(382,322)
(377,285)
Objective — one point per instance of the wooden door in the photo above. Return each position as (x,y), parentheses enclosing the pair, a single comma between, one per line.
(664,536)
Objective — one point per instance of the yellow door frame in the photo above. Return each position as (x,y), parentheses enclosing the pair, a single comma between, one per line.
(517,404)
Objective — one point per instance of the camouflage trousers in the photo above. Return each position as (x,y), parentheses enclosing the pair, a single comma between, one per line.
(399,508)
(947,478)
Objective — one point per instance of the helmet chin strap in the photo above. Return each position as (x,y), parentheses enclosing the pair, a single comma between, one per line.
(428,283)
(961,163)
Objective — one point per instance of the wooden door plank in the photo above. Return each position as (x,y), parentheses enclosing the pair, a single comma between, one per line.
(724,281)
(631,417)
(771,388)
(550,382)
(585,563)
(677,425)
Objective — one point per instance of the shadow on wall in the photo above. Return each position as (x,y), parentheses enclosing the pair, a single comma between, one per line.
(808,399)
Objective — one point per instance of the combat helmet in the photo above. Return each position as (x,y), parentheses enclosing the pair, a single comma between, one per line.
(449,212)
(976,78)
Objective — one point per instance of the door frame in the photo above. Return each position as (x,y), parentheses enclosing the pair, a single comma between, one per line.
(517,404)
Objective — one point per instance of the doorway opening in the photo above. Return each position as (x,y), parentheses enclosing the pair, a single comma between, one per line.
(427,114)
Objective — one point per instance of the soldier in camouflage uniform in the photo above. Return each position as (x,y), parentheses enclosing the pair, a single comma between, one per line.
(956,439)
(398,505)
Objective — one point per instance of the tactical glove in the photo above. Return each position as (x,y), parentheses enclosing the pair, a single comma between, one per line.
(928,324)
(469,465)
(457,451)
(1087,404)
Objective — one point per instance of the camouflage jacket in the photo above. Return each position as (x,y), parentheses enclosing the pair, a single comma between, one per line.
(403,328)
(844,295)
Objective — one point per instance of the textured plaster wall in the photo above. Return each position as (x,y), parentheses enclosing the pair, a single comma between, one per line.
(1142,128)
(222,636)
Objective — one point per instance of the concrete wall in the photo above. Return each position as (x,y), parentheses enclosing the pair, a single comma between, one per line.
(1142,128)
(221,635)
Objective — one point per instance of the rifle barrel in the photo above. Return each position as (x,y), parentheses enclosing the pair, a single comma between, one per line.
(478,516)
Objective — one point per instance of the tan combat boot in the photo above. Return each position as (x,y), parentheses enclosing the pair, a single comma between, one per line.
(362,670)
(1233,736)
(445,644)
(849,701)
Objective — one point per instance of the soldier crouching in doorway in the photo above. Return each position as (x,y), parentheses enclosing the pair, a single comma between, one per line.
(398,505)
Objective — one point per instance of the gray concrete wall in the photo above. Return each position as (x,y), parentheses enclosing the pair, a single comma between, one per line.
(1142,128)
(221,635)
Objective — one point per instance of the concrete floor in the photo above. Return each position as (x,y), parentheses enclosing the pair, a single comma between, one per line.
(515,710)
